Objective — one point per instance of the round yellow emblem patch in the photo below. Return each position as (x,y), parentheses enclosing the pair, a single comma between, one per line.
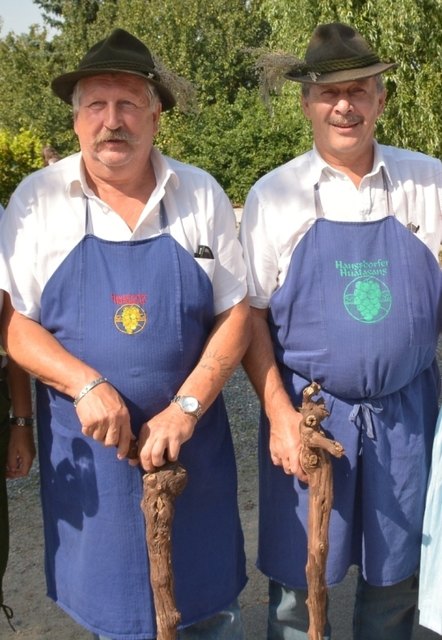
(130,318)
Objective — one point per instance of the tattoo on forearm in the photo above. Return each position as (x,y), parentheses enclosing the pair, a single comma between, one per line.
(216,363)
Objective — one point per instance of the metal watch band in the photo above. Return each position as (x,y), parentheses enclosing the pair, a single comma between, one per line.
(198,411)
(21,422)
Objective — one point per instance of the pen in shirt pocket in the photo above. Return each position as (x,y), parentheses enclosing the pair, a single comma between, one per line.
(203,252)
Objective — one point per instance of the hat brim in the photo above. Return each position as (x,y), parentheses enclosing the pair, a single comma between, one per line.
(344,75)
(63,86)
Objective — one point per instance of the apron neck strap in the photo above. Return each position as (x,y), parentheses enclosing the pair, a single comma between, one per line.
(164,223)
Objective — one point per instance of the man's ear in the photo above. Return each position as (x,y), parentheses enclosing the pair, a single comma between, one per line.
(156,115)
(305,106)
(74,122)
(382,96)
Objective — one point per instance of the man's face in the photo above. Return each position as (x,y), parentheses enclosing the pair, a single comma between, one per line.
(114,123)
(343,117)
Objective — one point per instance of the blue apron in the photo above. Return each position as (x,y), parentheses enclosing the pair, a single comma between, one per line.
(359,312)
(140,313)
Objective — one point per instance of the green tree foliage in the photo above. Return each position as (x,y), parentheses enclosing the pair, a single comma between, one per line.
(236,143)
(211,43)
(27,65)
(19,155)
(204,40)
(55,12)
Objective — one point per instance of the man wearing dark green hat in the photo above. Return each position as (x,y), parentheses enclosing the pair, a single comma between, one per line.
(341,245)
(126,299)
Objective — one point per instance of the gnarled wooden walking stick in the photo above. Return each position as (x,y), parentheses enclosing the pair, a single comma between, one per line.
(315,461)
(161,487)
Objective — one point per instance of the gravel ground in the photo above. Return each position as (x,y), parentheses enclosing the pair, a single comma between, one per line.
(38,618)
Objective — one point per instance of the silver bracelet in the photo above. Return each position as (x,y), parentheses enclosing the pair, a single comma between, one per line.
(88,388)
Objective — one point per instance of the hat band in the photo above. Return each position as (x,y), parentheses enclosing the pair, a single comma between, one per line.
(119,65)
(341,64)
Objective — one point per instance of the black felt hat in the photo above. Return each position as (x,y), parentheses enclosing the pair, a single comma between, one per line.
(121,52)
(337,53)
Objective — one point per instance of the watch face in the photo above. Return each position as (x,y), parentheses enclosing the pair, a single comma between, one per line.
(189,404)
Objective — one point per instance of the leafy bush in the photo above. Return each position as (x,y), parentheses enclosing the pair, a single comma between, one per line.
(237,143)
(20,154)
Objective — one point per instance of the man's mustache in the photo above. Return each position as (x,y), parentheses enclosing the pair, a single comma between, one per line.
(345,122)
(118,134)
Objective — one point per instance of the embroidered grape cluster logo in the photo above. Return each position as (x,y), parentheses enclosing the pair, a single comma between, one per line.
(367,299)
(130,319)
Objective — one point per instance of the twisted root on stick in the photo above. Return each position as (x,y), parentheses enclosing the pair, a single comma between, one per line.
(316,449)
(161,487)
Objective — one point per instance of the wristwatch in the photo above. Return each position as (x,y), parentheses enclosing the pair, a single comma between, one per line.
(21,422)
(189,405)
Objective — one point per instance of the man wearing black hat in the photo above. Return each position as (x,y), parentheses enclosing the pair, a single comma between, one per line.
(127,302)
(345,289)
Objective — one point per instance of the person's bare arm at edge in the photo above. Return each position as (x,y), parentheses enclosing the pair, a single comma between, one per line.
(262,370)
(102,413)
(162,436)
(21,448)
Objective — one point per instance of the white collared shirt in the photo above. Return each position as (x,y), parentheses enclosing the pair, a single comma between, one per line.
(280,207)
(46,219)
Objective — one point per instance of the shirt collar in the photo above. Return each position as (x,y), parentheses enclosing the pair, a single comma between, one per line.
(164,172)
(74,186)
(319,165)
(379,163)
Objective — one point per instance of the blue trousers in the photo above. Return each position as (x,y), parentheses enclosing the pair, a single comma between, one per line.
(380,613)
(224,625)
